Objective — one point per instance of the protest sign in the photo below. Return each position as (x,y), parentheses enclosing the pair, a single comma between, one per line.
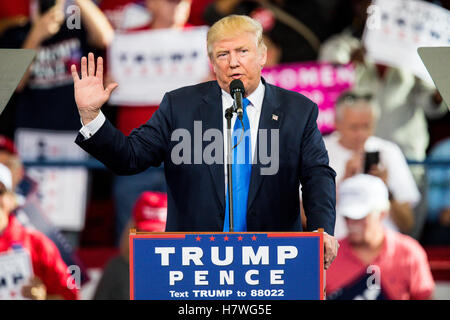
(15,271)
(396,28)
(62,191)
(321,82)
(147,64)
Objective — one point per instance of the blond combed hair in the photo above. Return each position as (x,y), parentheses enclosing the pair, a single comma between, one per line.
(232,26)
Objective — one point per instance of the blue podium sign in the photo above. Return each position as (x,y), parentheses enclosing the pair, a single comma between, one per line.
(230,266)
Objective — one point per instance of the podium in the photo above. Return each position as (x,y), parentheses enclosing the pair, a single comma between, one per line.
(226,266)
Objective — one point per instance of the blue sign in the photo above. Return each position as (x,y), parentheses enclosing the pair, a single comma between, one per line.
(233,266)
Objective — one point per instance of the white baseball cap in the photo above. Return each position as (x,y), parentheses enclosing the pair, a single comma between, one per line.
(360,195)
(5,176)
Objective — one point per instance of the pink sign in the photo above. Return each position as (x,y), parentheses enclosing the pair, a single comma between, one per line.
(320,82)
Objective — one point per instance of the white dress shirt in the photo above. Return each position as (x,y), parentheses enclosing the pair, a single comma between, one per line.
(253,112)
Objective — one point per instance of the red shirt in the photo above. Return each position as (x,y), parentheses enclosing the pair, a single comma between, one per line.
(128,117)
(402,267)
(198,7)
(45,257)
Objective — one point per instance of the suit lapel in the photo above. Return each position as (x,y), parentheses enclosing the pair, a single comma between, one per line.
(270,118)
(212,118)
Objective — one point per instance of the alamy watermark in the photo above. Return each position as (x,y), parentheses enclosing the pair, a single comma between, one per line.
(73,20)
(74,279)
(189,150)
(372,288)
(373,284)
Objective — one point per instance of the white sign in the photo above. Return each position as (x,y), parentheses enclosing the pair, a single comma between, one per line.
(147,64)
(396,28)
(62,191)
(34,144)
(15,271)
(62,195)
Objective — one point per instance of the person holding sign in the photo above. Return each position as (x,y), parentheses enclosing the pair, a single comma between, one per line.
(354,149)
(48,276)
(281,134)
(166,16)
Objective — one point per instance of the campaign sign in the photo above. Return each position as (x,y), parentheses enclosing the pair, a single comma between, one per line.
(147,64)
(15,271)
(321,82)
(228,266)
(395,29)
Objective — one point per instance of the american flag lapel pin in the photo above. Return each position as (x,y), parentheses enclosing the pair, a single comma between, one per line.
(274,117)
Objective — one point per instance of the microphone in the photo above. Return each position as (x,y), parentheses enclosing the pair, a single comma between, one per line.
(237,91)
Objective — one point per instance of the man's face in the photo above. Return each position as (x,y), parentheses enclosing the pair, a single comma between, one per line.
(14,165)
(355,126)
(238,58)
(363,231)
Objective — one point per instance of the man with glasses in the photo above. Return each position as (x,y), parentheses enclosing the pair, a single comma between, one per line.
(353,142)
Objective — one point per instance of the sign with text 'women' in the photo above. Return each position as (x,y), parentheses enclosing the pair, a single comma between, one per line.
(233,266)
(321,82)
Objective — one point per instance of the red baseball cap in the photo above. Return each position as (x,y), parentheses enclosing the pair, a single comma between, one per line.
(150,212)
(7,144)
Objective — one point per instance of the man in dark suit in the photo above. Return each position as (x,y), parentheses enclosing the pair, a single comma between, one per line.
(267,194)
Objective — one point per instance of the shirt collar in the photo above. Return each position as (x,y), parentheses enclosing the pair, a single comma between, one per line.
(256,97)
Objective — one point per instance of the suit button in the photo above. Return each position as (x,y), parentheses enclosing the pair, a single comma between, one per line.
(252,213)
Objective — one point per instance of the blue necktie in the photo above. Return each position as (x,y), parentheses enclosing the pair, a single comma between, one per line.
(242,168)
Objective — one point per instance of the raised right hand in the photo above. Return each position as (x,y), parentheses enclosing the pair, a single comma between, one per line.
(90,93)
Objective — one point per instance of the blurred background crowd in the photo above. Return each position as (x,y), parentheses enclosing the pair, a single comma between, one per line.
(72,214)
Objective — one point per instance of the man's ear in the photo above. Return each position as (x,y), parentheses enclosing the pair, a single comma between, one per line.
(262,56)
(212,66)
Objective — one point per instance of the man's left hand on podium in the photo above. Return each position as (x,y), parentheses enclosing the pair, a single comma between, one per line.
(331,246)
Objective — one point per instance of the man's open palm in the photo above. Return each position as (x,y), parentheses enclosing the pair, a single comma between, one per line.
(90,94)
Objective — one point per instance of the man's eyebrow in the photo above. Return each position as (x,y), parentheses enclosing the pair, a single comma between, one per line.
(222,51)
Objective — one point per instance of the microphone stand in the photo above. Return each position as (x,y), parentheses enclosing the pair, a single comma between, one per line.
(229,116)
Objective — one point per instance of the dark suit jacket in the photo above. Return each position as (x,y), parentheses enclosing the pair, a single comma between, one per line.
(196,192)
